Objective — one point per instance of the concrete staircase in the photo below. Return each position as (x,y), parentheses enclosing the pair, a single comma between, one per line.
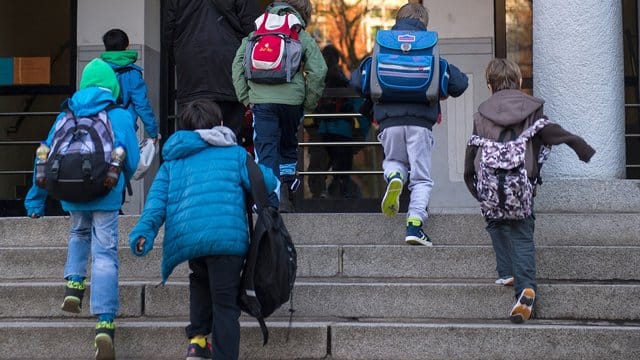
(361,293)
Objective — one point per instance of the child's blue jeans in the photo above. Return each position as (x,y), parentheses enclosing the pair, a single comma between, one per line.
(95,234)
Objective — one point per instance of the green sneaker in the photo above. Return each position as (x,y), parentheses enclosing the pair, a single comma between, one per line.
(73,294)
(105,331)
(391,200)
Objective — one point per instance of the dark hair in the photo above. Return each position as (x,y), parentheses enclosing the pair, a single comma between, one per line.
(304,7)
(331,55)
(115,40)
(199,114)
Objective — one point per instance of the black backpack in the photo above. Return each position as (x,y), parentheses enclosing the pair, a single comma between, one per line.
(270,267)
(78,163)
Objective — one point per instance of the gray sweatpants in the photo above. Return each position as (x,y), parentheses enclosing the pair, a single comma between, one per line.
(409,148)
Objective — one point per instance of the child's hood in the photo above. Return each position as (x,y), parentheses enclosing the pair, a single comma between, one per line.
(90,101)
(509,107)
(282,7)
(120,58)
(409,24)
(185,143)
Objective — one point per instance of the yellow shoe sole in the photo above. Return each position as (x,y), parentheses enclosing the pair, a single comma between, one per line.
(71,304)
(104,347)
(391,201)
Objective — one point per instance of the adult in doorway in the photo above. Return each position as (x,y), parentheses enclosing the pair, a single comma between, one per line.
(202,37)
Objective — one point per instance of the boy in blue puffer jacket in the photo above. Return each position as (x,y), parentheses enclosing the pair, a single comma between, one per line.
(94,224)
(133,89)
(199,196)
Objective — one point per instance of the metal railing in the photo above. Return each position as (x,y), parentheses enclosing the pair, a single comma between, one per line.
(22,142)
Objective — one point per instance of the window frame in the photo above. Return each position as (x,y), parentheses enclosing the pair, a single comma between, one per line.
(73,60)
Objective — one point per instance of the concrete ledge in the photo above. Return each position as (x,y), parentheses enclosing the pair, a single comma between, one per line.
(432,341)
(428,300)
(597,228)
(588,196)
(365,261)
(48,263)
(154,340)
(43,300)
(560,263)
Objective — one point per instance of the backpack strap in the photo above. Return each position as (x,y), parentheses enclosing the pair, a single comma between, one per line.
(258,189)
(532,130)
(259,196)
(119,71)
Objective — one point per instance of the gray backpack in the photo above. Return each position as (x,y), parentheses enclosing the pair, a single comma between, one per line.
(503,185)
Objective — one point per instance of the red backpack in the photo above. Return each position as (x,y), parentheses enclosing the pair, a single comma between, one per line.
(274,51)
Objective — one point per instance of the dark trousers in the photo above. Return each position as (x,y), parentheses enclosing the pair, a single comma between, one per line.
(213,293)
(276,139)
(515,251)
(232,115)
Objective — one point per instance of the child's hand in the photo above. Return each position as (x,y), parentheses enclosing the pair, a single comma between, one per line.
(141,247)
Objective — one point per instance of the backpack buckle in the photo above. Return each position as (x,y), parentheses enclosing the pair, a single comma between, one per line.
(55,168)
(86,168)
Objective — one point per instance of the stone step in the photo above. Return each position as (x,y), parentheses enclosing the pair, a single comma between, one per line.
(423,340)
(353,299)
(597,229)
(158,340)
(388,261)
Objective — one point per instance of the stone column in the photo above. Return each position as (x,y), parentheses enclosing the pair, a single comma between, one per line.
(578,70)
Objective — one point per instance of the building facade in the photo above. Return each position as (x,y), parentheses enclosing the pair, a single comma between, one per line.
(580,56)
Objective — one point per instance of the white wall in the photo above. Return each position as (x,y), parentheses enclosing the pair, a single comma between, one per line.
(95,17)
(461,18)
(578,67)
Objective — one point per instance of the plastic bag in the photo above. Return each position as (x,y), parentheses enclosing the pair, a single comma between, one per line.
(148,151)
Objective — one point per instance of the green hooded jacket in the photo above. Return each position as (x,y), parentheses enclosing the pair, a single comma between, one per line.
(306,87)
(120,58)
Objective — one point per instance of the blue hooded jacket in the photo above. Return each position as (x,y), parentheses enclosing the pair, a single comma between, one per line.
(87,102)
(417,114)
(199,196)
(133,88)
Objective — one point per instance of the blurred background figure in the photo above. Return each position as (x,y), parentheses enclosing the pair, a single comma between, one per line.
(335,129)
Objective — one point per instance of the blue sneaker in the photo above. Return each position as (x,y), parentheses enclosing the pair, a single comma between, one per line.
(415,235)
(391,200)
(196,352)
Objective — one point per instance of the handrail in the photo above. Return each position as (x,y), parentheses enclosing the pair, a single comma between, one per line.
(31,113)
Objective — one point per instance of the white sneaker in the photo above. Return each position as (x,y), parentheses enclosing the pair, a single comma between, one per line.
(508,281)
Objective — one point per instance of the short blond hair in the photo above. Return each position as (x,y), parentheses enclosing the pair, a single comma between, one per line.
(413,11)
(502,74)
(304,7)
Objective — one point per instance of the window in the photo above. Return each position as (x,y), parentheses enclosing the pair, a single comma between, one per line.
(38,55)
(630,13)
(514,36)
(37,72)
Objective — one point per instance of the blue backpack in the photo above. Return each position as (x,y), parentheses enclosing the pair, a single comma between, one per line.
(405,67)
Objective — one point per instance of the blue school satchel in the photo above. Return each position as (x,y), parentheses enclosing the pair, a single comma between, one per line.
(405,67)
